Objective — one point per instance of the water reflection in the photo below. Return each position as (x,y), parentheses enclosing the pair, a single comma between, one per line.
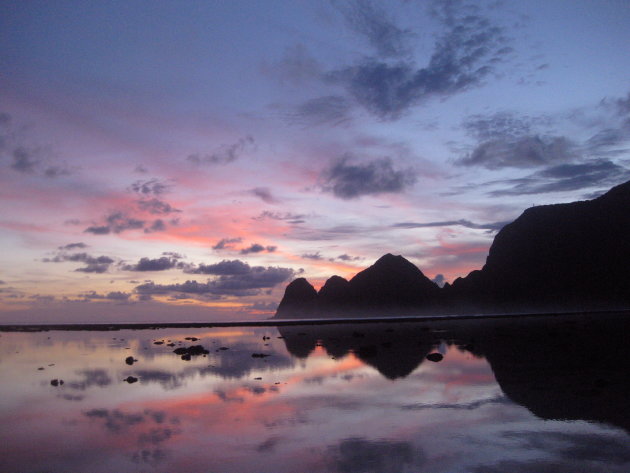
(333,398)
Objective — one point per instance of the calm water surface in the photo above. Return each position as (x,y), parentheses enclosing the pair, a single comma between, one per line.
(542,395)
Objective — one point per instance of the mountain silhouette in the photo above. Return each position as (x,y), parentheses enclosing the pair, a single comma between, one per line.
(560,257)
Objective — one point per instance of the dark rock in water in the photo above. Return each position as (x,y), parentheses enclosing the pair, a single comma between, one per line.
(192,339)
(56,382)
(170,344)
(130,360)
(435,357)
(260,355)
(131,379)
(41,368)
(158,342)
(187,352)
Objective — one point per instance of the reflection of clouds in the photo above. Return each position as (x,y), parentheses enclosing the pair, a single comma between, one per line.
(146,430)
(584,447)
(466,406)
(95,377)
(358,455)
(166,379)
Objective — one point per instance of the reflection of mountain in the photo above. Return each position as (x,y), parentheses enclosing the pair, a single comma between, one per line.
(394,350)
(563,367)
(553,257)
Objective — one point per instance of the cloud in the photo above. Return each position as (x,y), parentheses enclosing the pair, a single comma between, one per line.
(156,207)
(258,248)
(350,181)
(264,194)
(297,66)
(372,22)
(439,280)
(226,243)
(73,246)
(24,160)
(224,268)
(346,257)
(328,110)
(238,279)
(225,154)
(502,125)
(168,261)
(118,222)
(93,264)
(112,296)
(521,152)
(462,57)
(314,256)
(495,226)
(566,177)
(286,217)
(150,187)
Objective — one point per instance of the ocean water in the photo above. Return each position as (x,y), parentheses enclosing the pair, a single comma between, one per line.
(546,394)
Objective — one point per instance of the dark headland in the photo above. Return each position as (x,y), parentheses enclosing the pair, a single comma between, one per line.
(553,258)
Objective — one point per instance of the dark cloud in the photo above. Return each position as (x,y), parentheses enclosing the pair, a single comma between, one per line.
(73,246)
(264,194)
(462,57)
(150,187)
(140,169)
(495,226)
(329,110)
(237,280)
(286,217)
(346,257)
(223,268)
(297,66)
(24,160)
(226,243)
(257,248)
(225,154)
(314,256)
(156,264)
(502,126)
(93,264)
(374,23)
(349,181)
(116,222)
(157,225)
(156,206)
(112,296)
(521,152)
(57,171)
(566,177)
(27,158)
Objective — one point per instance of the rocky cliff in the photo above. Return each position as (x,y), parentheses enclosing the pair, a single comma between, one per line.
(573,256)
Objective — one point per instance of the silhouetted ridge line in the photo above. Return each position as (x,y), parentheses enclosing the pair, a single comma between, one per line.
(559,257)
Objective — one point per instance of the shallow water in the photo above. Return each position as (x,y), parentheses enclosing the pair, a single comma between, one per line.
(540,395)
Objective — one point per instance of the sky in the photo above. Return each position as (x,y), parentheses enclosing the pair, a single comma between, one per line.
(185,160)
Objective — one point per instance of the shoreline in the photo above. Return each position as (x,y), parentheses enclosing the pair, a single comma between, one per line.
(104,327)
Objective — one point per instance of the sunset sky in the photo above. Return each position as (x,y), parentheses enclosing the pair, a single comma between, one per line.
(184,160)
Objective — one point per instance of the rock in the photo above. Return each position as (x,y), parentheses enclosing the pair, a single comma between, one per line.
(192,339)
(131,379)
(260,355)
(187,352)
(56,382)
(186,357)
(130,360)
(435,357)
(160,342)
